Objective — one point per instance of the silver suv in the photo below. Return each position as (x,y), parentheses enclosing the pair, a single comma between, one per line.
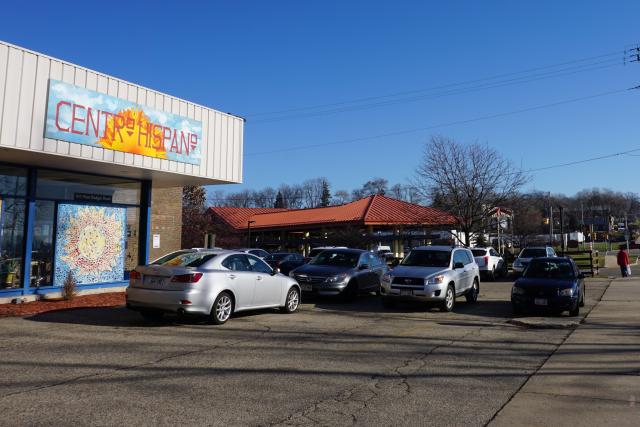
(433,274)
(527,254)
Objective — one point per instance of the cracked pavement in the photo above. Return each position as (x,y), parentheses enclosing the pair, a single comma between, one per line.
(329,364)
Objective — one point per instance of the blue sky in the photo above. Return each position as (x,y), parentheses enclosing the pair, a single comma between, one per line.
(252,57)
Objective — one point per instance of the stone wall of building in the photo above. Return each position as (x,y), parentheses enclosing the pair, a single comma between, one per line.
(166,220)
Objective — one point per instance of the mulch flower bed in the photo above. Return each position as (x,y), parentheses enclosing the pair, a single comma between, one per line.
(111,299)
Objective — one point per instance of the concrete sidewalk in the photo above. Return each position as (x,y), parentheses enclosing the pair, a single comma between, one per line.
(593,378)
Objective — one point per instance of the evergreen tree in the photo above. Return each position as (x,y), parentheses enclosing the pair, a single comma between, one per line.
(325,198)
(279,201)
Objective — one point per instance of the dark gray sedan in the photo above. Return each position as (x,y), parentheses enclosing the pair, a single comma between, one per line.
(345,272)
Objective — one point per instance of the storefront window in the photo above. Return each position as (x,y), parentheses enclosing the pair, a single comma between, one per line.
(86,188)
(11,242)
(13,181)
(42,245)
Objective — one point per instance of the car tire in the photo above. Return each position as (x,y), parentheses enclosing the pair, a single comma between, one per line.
(222,308)
(492,275)
(472,294)
(449,299)
(575,310)
(292,301)
(152,315)
(582,298)
(517,310)
(350,293)
(388,302)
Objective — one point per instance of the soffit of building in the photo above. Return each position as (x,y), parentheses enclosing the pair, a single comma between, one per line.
(51,160)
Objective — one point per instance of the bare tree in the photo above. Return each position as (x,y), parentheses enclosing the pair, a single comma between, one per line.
(340,197)
(466,180)
(312,190)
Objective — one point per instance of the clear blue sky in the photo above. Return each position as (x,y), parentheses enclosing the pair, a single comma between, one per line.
(250,57)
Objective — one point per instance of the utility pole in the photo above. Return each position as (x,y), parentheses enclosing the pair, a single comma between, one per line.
(550,225)
(562,229)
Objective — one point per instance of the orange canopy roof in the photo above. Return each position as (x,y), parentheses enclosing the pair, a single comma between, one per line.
(372,210)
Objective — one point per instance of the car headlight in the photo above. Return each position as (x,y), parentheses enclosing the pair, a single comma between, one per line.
(566,292)
(337,278)
(517,291)
(435,280)
(387,277)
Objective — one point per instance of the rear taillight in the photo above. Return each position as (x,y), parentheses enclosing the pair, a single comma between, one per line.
(486,260)
(135,275)
(187,278)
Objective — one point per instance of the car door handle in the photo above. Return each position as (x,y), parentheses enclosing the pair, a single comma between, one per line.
(232,276)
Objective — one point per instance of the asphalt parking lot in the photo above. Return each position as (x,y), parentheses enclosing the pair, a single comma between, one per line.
(331,363)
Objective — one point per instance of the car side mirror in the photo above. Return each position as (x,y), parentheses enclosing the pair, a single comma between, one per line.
(275,271)
(363,267)
(458,265)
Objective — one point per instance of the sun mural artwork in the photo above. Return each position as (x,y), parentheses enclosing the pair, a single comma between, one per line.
(90,242)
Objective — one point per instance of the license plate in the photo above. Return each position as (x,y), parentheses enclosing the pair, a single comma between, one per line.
(406,292)
(540,301)
(306,287)
(155,281)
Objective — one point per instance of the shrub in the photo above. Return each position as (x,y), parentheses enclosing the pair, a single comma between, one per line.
(69,287)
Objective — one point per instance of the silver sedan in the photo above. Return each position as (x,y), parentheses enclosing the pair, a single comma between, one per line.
(215,283)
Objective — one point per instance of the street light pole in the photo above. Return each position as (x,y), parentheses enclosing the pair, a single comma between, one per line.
(249,233)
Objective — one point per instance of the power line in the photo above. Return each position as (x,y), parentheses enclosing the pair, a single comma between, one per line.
(421,129)
(492,85)
(496,76)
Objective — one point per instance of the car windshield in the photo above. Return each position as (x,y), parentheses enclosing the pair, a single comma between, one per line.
(315,252)
(549,270)
(185,259)
(276,257)
(533,253)
(336,258)
(479,252)
(427,259)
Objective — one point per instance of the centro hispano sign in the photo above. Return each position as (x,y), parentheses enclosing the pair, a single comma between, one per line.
(79,115)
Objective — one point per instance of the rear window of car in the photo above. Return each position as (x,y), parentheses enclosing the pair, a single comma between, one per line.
(185,259)
(479,252)
(539,269)
(533,253)
(336,258)
(276,257)
(427,259)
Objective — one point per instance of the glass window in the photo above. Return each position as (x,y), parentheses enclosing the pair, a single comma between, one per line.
(479,252)
(187,259)
(258,265)
(468,256)
(539,269)
(427,259)
(533,253)
(237,263)
(13,181)
(86,188)
(42,246)
(459,257)
(11,242)
(336,258)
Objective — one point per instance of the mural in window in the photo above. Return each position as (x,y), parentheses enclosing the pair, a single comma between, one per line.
(90,242)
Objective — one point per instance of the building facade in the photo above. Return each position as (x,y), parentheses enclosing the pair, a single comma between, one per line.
(366,223)
(91,170)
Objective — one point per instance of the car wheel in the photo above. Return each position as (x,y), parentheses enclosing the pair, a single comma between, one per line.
(350,292)
(151,315)
(222,309)
(492,275)
(388,302)
(292,302)
(582,298)
(472,294)
(575,310)
(449,299)
(517,309)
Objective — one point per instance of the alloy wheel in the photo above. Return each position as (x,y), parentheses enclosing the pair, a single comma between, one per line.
(449,298)
(223,308)
(293,300)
